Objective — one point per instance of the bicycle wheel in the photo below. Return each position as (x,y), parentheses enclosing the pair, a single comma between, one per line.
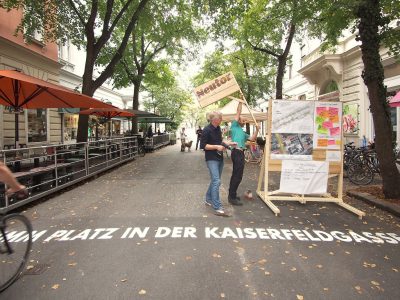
(15,245)
(360,174)
(142,151)
(247,155)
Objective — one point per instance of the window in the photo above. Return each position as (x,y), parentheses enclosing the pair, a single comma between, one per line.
(36,38)
(37,125)
(330,87)
(290,68)
(302,97)
(302,54)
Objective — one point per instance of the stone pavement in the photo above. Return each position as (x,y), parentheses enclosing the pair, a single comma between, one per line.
(142,231)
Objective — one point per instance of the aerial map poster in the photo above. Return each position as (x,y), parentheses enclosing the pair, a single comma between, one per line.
(292,129)
(292,116)
(291,146)
(328,125)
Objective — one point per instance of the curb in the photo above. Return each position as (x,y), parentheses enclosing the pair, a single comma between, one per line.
(391,208)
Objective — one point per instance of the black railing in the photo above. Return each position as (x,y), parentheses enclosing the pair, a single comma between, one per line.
(44,170)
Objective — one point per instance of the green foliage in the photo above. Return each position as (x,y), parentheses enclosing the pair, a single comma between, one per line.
(265,26)
(163,29)
(168,101)
(250,69)
(62,20)
(332,18)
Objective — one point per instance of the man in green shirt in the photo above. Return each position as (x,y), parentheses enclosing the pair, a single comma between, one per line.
(240,137)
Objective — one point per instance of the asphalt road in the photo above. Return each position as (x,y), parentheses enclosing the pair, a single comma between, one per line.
(142,231)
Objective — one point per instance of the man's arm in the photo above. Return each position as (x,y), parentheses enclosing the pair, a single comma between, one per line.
(238,111)
(214,147)
(254,136)
(205,145)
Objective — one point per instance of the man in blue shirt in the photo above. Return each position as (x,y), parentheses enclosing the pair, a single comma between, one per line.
(213,146)
(239,136)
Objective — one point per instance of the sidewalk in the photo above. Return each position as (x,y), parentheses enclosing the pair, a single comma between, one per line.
(142,231)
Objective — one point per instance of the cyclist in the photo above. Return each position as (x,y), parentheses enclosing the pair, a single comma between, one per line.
(15,188)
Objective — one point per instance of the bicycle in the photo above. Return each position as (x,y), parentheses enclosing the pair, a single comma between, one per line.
(361,164)
(253,153)
(141,147)
(15,246)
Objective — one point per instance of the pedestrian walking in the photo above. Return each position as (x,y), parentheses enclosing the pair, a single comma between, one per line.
(213,146)
(239,136)
(183,139)
(199,131)
(149,132)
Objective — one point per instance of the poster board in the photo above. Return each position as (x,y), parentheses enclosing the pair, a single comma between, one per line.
(304,178)
(216,89)
(350,118)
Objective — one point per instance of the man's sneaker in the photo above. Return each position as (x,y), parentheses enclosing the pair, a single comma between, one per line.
(235,202)
(221,212)
(207,203)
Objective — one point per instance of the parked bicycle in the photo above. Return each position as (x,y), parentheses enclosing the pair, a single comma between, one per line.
(141,147)
(15,246)
(253,153)
(360,164)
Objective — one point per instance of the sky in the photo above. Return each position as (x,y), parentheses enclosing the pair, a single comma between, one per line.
(193,67)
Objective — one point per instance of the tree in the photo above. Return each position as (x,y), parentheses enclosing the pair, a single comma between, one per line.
(171,103)
(88,24)
(163,29)
(267,26)
(372,21)
(248,67)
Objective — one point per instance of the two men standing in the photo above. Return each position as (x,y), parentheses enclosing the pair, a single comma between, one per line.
(211,142)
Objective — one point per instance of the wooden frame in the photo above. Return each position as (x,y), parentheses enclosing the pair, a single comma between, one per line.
(268,165)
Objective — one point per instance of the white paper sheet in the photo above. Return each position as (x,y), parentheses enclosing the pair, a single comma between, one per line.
(304,177)
(292,116)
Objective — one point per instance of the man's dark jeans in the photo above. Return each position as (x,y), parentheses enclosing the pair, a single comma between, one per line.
(237,173)
(197,142)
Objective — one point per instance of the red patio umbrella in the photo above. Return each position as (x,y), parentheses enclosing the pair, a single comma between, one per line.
(108,113)
(20,91)
(395,101)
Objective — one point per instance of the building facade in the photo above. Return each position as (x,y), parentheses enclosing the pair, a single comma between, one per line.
(60,64)
(336,75)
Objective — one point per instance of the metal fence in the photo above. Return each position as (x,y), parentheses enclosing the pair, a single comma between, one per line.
(47,169)
(157,141)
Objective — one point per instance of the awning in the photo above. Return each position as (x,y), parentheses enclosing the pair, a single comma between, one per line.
(69,110)
(395,101)
(148,117)
(229,113)
(22,91)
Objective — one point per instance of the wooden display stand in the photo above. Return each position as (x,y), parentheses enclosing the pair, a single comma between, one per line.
(274,165)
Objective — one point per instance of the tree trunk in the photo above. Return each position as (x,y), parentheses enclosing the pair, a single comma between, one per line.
(135,105)
(282,59)
(369,13)
(279,77)
(83,122)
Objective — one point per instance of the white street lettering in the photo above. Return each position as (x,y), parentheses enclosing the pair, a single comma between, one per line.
(108,234)
(209,233)
(139,232)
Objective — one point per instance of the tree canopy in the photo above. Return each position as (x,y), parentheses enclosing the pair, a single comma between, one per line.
(252,71)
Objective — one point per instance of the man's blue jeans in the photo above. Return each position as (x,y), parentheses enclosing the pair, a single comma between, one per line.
(215,167)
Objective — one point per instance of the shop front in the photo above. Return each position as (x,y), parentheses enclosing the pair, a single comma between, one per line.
(70,118)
